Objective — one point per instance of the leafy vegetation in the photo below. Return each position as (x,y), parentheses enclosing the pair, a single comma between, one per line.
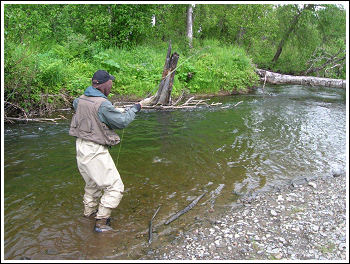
(52,50)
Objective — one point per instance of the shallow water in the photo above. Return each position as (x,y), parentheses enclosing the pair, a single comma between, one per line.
(167,158)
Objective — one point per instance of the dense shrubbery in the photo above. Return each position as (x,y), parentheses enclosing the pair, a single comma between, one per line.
(67,69)
(51,51)
(218,67)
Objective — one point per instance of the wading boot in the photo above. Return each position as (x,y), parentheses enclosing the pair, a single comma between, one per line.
(90,213)
(103,225)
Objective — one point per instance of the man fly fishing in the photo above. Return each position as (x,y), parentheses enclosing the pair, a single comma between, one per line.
(93,125)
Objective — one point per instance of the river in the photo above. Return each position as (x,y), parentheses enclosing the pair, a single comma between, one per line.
(166,158)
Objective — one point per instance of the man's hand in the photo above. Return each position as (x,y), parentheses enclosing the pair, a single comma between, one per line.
(146,101)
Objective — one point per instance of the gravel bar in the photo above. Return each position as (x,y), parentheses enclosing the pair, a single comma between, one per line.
(306,221)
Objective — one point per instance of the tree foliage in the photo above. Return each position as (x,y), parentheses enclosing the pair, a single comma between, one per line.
(53,48)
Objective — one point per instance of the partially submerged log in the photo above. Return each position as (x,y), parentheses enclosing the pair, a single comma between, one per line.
(213,195)
(276,78)
(150,236)
(185,210)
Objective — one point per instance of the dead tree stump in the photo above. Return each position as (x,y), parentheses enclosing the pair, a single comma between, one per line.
(163,95)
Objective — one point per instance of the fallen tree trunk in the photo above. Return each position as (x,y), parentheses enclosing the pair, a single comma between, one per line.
(276,78)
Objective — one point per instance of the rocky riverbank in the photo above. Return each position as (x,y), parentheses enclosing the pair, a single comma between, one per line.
(303,221)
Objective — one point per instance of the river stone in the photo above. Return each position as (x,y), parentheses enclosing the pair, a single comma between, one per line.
(281,239)
(312,184)
(278,256)
(273,212)
(257,238)
(342,246)
(51,252)
(337,171)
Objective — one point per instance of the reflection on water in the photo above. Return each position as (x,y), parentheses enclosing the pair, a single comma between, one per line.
(166,158)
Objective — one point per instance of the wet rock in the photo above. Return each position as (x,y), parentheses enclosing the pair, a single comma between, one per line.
(51,251)
(312,184)
(338,173)
(315,228)
(273,212)
(280,198)
(342,246)
(278,255)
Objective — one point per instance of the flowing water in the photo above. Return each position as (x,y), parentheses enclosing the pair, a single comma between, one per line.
(167,158)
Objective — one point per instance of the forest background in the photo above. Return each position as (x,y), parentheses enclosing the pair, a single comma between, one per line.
(52,50)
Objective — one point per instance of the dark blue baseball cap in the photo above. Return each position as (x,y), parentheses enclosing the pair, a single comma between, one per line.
(102,76)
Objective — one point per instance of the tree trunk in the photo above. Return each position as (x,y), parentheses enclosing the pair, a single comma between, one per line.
(163,95)
(189,25)
(276,78)
(240,35)
(290,30)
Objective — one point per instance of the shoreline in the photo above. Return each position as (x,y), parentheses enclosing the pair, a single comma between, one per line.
(115,100)
(302,221)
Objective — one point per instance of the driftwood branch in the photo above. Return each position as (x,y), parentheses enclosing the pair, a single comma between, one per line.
(180,98)
(185,210)
(264,82)
(189,104)
(150,227)
(189,100)
(223,107)
(213,195)
(238,103)
(36,119)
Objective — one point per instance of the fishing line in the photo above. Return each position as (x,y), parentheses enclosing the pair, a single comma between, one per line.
(120,146)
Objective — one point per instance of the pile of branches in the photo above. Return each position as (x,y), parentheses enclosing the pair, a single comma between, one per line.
(323,63)
(188,104)
(13,112)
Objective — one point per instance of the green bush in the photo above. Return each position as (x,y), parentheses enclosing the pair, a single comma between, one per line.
(216,68)
(137,70)
(20,72)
